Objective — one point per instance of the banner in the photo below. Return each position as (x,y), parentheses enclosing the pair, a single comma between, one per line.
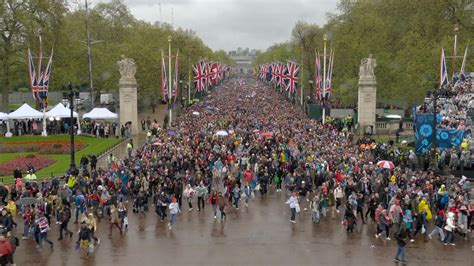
(444,138)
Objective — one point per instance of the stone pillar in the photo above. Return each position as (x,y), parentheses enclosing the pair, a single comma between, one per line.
(367,95)
(128,94)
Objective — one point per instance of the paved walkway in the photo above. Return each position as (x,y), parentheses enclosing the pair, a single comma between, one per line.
(258,235)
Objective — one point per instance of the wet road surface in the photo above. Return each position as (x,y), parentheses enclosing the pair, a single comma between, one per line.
(258,235)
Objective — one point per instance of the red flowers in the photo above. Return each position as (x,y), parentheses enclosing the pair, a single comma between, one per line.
(40,146)
(37,161)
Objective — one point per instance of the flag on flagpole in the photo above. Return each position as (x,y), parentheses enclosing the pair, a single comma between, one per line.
(43,94)
(443,70)
(39,77)
(463,65)
(199,78)
(33,81)
(164,80)
(317,77)
(175,80)
(328,89)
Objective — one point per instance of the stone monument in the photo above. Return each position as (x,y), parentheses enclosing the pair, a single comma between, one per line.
(128,94)
(367,96)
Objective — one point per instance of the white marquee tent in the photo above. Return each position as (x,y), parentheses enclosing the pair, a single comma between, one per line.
(60,111)
(3,116)
(100,113)
(25,112)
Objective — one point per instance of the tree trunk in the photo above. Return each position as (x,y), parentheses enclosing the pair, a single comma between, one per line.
(5,86)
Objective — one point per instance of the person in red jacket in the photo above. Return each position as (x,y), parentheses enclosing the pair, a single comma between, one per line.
(248,176)
(6,250)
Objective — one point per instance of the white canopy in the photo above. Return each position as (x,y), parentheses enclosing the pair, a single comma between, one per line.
(100,113)
(25,112)
(60,111)
(3,116)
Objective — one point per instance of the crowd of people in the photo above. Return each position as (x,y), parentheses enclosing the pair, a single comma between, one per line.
(237,145)
(453,105)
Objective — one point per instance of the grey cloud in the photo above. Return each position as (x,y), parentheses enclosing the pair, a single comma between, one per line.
(228,24)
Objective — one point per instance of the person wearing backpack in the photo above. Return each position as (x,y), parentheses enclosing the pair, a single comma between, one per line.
(65,216)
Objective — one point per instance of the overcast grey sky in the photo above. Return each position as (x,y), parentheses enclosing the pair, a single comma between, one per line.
(228,24)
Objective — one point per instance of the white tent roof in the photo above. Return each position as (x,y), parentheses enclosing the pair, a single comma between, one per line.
(25,112)
(3,116)
(60,111)
(100,113)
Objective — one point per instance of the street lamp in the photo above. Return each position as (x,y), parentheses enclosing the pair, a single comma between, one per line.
(437,94)
(72,95)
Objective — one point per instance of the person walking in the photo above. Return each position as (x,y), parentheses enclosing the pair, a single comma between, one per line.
(293,202)
(41,230)
(65,217)
(401,237)
(222,202)
(174,210)
(350,219)
(84,239)
(450,226)
(114,220)
(201,193)
(213,201)
(189,193)
(236,195)
(248,194)
(439,222)
(92,225)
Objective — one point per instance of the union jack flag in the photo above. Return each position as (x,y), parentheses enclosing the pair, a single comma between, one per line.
(208,75)
(43,93)
(33,81)
(274,72)
(283,70)
(292,76)
(164,80)
(214,73)
(200,79)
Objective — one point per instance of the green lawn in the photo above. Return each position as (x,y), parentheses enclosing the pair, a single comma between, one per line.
(94,146)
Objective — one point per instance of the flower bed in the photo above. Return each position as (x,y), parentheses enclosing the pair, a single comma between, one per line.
(40,146)
(37,161)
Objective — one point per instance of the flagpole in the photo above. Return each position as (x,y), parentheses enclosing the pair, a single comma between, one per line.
(325,38)
(43,101)
(301,75)
(456,28)
(170,106)
(189,78)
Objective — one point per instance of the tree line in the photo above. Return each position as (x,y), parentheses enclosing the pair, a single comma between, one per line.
(404,36)
(114,32)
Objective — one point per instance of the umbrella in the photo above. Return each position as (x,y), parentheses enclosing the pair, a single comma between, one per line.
(171,132)
(195,113)
(222,133)
(267,134)
(386,164)
(25,201)
(157,143)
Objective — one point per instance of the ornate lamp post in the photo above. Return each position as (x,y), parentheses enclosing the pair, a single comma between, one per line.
(72,95)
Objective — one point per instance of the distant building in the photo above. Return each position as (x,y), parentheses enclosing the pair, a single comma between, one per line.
(243,57)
